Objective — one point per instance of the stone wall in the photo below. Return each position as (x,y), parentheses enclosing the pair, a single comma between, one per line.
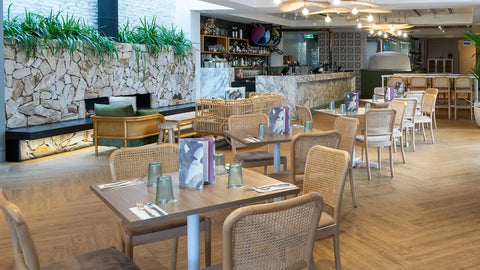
(52,88)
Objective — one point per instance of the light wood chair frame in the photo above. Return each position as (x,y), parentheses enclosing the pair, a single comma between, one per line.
(444,89)
(463,86)
(409,120)
(399,106)
(418,83)
(433,91)
(426,117)
(303,114)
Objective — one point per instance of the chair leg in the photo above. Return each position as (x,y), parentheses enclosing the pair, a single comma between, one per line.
(413,138)
(265,170)
(352,184)
(449,104)
(455,103)
(403,150)
(435,119)
(368,164)
(173,264)
(336,248)
(431,134)
(379,157)
(208,243)
(394,146)
(285,166)
(423,132)
(391,160)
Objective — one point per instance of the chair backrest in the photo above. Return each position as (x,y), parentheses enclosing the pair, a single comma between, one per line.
(433,91)
(303,113)
(379,122)
(301,144)
(418,95)
(418,83)
(379,91)
(399,106)
(411,108)
(23,246)
(272,236)
(428,104)
(132,162)
(245,121)
(463,83)
(347,126)
(441,83)
(325,173)
(392,80)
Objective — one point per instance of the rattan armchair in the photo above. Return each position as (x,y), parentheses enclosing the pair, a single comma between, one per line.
(347,126)
(399,107)
(25,251)
(128,163)
(409,119)
(325,173)
(378,132)
(272,236)
(252,158)
(303,114)
(426,117)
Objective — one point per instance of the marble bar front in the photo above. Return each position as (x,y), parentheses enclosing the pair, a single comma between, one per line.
(310,90)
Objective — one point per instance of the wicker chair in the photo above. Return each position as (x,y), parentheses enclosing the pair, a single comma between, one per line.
(433,91)
(399,107)
(25,251)
(128,163)
(378,132)
(252,158)
(444,95)
(304,114)
(463,89)
(418,83)
(428,105)
(418,95)
(277,235)
(325,173)
(392,80)
(301,144)
(409,119)
(347,127)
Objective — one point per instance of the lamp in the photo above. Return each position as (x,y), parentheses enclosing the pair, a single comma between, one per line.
(305,10)
(359,25)
(372,32)
(355,10)
(336,2)
(328,18)
(370,18)
(277,2)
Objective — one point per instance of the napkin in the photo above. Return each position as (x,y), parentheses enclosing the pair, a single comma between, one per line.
(272,187)
(121,184)
(143,215)
(252,139)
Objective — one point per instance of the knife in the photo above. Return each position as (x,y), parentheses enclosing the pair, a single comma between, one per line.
(161,213)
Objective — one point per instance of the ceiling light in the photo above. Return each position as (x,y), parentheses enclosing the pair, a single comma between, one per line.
(372,32)
(328,19)
(359,25)
(405,35)
(385,35)
(277,2)
(392,29)
(370,18)
(354,11)
(380,33)
(336,2)
(305,11)
(399,33)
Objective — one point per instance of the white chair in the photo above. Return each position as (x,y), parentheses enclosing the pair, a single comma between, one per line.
(399,106)
(426,116)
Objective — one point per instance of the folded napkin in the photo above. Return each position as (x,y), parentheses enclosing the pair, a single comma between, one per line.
(121,184)
(273,187)
(297,126)
(252,139)
(144,215)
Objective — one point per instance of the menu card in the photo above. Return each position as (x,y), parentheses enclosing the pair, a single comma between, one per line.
(278,121)
(351,102)
(196,162)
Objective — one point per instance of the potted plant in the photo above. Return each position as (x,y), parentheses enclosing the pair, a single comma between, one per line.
(475,70)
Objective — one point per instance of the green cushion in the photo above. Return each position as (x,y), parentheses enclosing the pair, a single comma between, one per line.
(114,110)
(146,112)
(130,143)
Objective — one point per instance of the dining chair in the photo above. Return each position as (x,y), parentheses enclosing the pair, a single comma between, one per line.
(377,132)
(399,107)
(25,252)
(252,158)
(444,93)
(426,116)
(303,114)
(409,119)
(325,173)
(418,95)
(433,91)
(463,89)
(379,91)
(301,144)
(418,83)
(392,80)
(129,163)
(347,126)
(278,235)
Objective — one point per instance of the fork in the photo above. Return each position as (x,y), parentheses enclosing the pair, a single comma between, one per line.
(141,207)
(273,186)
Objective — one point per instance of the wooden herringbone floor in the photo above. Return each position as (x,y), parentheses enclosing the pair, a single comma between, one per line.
(427,217)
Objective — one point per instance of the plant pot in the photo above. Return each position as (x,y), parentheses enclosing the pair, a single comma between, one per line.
(476,111)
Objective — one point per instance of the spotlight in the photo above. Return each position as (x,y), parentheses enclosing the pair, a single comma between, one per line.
(370,18)
(372,32)
(399,33)
(336,2)
(405,35)
(277,2)
(305,11)
(392,29)
(355,11)
(385,35)
(380,33)
(328,19)
(359,25)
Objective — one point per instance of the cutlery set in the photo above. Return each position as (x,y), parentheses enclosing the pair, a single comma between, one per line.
(121,184)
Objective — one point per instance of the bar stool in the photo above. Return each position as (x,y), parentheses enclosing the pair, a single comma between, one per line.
(444,88)
(392,80)
(418,84)
(464,89)
(164,127)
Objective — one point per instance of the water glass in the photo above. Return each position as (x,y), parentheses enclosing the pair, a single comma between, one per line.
(262,131)
(374,98)
(343,109)
(235,178)
(154,171)
(220,164)
(307,126)
(367,106)
(164,193)
(332,106)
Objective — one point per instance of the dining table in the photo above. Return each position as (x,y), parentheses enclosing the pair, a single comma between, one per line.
(190,202)
(250,137)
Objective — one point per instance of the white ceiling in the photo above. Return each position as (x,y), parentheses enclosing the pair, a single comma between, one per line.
(453,15)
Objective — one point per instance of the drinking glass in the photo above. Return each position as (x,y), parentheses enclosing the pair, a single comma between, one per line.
(262,131)
(307,127)
(332,106)
(343,109)
(154,171)
(367,106)
(164,193)
(374,98)
(220,164)
(235,179)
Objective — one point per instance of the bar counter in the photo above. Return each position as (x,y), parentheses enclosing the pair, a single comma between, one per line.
(310,90)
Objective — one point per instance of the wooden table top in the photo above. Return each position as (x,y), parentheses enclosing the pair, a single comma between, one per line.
(242,134)
(189,201)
